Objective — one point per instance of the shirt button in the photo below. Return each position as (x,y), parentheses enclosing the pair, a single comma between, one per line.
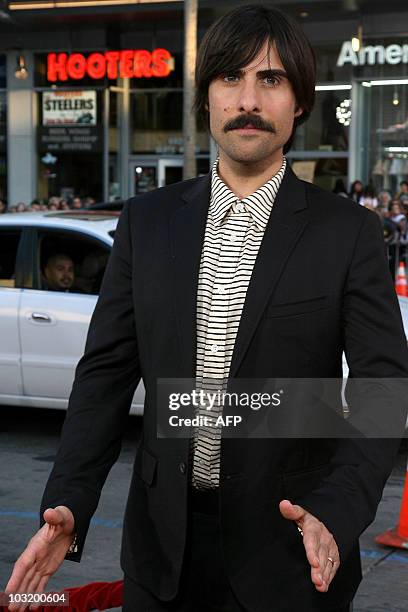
(214,348)
(240,207)
(182,467)
(221,290)
(232,237)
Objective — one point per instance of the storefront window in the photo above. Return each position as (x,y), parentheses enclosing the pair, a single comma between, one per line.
(327,129)
(148,173)
(382,122)
(157,123)
(320,149)
(327,69)
(321,146)
(70,141)
(329,173)
(156,119)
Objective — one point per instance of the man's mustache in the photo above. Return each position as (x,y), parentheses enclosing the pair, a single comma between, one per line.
(243,121)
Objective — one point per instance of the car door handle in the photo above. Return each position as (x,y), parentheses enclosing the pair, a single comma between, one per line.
(40,317)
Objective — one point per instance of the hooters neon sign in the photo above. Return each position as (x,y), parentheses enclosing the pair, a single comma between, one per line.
(111,64)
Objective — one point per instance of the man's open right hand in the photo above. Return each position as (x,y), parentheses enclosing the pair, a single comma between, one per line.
(44,554)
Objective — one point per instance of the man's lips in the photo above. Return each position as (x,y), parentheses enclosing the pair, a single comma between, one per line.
(247,128)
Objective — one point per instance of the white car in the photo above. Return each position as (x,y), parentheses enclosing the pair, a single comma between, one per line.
(43,332)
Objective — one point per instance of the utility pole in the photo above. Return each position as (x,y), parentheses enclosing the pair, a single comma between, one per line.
(189,117)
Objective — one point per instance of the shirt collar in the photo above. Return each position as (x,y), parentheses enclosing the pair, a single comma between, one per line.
(259,204)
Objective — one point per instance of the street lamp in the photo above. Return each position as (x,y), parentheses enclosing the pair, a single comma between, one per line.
(357,41)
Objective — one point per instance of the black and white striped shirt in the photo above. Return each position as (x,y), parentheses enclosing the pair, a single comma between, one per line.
(233,235)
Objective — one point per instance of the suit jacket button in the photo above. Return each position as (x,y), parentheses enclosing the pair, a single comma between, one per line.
(182,467)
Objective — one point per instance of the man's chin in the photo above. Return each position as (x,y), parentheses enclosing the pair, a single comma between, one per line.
(250,157)
(250,150)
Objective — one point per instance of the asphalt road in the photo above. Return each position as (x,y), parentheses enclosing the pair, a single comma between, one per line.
(28,443)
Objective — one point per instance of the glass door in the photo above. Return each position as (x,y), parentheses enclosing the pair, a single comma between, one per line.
(170,171)
(382,133)
(146,174)
(143,177)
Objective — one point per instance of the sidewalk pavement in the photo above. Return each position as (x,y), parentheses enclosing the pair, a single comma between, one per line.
(28,449)
(385,570)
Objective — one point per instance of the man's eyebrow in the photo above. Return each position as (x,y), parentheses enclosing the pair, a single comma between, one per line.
(262,74)
(272,72)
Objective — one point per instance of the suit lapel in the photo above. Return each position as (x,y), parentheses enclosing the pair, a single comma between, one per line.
(286,224)
(187,229)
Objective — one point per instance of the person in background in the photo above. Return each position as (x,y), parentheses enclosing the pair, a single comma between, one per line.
(89,202)
(384,199)
(59,273)
(64,205)
(356,191)
(20,207)
(396,212)
(3,207)
(53,203)
(368,198)
(396,246)
(340,188)
(35,206)
(390,236)
(402,195)
(76,203)
(390,233)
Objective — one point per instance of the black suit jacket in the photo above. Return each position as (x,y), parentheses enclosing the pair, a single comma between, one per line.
(320,285)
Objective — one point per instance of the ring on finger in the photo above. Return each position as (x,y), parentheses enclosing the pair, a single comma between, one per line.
(331,560)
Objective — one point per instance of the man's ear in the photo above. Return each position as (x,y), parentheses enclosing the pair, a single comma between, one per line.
(298,111)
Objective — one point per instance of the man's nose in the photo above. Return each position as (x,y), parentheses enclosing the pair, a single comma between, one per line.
(249,98)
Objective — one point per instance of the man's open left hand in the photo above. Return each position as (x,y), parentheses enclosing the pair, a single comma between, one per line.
(319,544)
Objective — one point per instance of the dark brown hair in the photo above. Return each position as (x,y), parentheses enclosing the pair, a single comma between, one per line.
(234,40)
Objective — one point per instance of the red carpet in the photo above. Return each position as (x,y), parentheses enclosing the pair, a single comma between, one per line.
(94,596)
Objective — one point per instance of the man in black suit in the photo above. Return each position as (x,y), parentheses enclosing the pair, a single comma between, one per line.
(244,273)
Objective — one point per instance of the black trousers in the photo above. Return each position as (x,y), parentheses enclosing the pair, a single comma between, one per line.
(204,585)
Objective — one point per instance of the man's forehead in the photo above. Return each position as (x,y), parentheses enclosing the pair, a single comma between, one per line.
(267,59)
(63,260)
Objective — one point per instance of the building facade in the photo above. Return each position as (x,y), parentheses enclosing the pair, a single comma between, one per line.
(99,113)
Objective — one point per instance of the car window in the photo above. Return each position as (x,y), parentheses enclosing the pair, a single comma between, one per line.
(70,262)
(9,243)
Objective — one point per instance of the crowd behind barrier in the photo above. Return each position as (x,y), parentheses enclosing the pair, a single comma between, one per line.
(393,213)
(53,203)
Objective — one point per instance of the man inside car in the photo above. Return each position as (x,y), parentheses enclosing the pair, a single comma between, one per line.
(59,273)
